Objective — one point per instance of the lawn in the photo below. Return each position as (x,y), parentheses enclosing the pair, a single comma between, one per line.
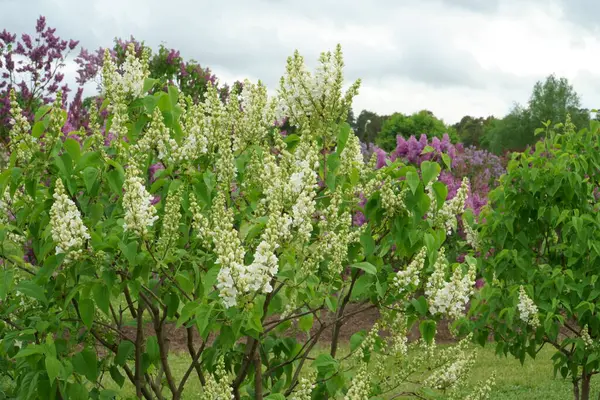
(532,381)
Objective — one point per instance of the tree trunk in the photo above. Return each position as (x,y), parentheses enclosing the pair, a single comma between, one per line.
(585,386)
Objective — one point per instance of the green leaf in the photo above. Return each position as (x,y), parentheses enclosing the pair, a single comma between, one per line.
(88,159)
(427,149)
(441,192)
(90,174)
(38,129)
(31,289)
(73,148)
(365,266)
(305,322)
(275,396)
(325,361)
(203,313)
(427,329)
(343,136)
(86,310)
(185,282)
(31,350)
(429,171)
(6,282)
(447,160)
(130,252)
(116,376)
(148,84)
(102,297)
(86,363)
(53,367)
(125,350)
(356,340)
(77,391)
(420,304)
(152,348)
(412,178)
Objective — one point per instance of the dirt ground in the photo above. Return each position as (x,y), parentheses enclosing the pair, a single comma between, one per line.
(356,323)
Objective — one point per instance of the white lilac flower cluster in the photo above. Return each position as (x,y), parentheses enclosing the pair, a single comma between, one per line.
(134,72)
(528,311)
(306,385)
(453,366)
(446,217)
(170,222)
(304,96)
(7,212)
(68,231)
(351,158)
(449,298)
(587,339)
(200,222)
(22,143)
(140,214)
(218,385)
(472,235)
(360,387)
(55,124)
(408,279)
(392,199)
(482,390)
(156,137)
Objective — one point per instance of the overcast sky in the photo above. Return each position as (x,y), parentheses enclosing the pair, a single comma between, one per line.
(453,57)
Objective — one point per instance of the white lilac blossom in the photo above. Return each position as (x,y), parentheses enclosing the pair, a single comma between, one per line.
(68,231)
(258,275)
(455,363)
(140,214)
(131,81)
(527,309)
(587,339)
(170,229)
(200,223)
(449,298)
(472,235)
(218,385)
(446,217)
(22,143)
(306,385)
(229,251)
(55,123)
(409,277)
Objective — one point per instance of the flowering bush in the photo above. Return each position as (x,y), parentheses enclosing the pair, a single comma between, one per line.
(31,65)
(481,167)
(542,240)
(241,238)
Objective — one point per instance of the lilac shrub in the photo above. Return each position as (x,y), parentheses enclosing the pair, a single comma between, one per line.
(32,65)
(481,167)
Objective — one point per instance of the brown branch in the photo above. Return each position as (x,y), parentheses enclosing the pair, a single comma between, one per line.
(340,313)
(192,351)
(163,346)
(193,365)
(258,386)
(139,344)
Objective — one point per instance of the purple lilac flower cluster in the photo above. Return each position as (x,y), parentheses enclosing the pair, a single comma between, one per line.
(481,167)
(32,66)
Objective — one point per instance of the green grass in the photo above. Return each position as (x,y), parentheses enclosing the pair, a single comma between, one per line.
(533,381)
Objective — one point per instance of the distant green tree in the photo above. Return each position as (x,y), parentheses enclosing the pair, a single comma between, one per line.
(407,125)
(470,130)
(550,100)
(368,125)
(553,99)
(513,132)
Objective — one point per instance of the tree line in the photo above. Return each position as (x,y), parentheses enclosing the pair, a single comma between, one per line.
(551,100)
